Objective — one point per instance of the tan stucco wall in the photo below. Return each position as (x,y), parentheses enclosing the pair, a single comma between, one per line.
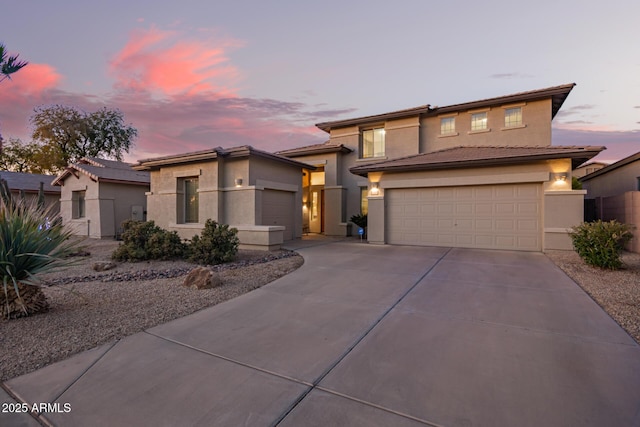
(220,198)
(536,118)
(626,209)
(615,182)
(106,204)
(87,226)
(562,211)
(116,203)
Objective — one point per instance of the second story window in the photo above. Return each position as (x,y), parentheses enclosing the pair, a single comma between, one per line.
(513,117)
(447,126)
(478,121)
(372,143)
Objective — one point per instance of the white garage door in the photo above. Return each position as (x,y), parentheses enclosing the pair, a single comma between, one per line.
(278,209)
(483,216)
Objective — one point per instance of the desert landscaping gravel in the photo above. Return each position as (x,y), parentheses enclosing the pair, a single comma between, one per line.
(617,292)
(89,309)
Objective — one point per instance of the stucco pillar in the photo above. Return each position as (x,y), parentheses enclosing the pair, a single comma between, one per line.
(562,211)
(335,223)
(375,220)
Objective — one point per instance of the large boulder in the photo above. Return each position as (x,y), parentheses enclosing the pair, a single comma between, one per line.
(202,278)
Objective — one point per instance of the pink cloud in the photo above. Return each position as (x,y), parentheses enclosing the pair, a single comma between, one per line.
(27,88)
(166,62)
(179,92)
(32,80)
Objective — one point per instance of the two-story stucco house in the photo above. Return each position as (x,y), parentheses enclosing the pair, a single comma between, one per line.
(481,174)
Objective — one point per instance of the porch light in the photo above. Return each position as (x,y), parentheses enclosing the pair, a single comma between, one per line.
(375,190)
(559,176)
(238,182)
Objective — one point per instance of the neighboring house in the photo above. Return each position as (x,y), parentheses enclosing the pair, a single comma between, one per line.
(615,192)
(481,174)
(258,193)
(587,168)
(97,195)
(28,185)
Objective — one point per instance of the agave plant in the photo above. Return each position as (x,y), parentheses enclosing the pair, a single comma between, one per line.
(32,241)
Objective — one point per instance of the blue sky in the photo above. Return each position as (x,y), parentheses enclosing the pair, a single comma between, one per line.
(198,74)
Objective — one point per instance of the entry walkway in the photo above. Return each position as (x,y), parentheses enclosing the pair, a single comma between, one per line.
(365,335)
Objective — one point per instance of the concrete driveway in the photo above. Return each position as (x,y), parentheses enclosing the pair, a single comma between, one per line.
(366,335)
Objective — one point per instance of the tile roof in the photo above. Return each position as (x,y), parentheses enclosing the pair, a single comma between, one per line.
(210,154)
(558,94)
(29,182)
(461,157)
(104,170)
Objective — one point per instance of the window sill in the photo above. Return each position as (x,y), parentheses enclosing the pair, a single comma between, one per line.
(186,224)
(514,127)
(371,159)
(447,135)
(473,132)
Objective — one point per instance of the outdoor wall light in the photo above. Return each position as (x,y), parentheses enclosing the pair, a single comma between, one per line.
(559,176)
(375,190)
(238,182)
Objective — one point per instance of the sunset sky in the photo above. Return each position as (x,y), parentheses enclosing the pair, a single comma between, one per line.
(192,75)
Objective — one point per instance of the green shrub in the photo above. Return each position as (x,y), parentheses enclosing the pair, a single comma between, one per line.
(145,240)
(600,243)
(216,244)
(575,183)
(359,220)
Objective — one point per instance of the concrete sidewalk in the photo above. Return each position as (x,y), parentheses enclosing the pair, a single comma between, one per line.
(365,335)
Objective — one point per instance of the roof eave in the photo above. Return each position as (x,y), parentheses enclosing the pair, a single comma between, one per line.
(323,150)
(577,156)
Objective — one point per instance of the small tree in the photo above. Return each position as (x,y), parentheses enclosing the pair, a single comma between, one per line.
(70,134)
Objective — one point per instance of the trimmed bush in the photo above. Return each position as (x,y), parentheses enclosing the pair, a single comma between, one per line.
(599,243)
(145,241)
(216,244)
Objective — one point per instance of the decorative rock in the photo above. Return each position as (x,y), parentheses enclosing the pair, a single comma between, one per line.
(104,265)
(202,278)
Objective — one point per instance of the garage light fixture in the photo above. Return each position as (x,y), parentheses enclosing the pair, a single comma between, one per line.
(559,176)
(375,190)
(238,182)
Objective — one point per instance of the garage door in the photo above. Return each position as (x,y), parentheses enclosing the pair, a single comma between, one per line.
(484,216)
(278,209)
